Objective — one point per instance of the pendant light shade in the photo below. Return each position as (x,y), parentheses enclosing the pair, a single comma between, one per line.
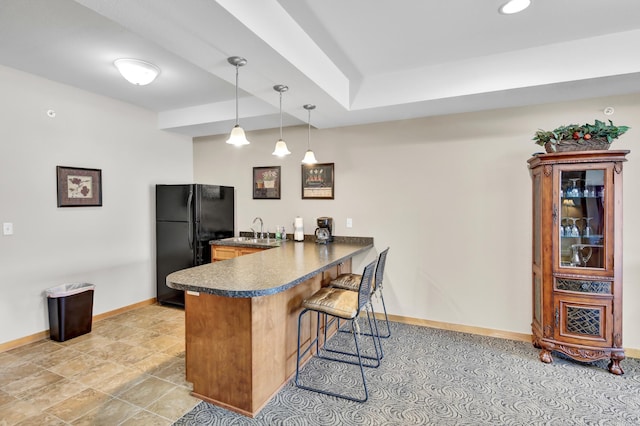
(309,156)
(136,71)
(281,147)
(237,136)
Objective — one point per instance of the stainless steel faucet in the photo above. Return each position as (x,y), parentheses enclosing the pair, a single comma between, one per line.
(261,227)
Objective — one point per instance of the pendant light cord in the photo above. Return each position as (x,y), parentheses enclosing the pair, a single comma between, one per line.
(280,115)
(309,134)
(237,66)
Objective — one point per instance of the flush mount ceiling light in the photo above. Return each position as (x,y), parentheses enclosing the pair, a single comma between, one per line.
(514,6)
(136,71)
(281,147)
(309,156)
(237,137)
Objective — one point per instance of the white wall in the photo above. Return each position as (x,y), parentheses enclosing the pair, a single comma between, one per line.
(111,246)
(450,195)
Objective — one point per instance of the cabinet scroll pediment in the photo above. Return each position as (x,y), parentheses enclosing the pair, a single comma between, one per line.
(618,167)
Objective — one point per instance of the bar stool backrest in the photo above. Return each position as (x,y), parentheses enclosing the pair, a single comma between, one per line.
(382,259)
(364,291)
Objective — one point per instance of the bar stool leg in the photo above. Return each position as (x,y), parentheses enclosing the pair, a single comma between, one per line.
(386,318)
(377,344)
(315,341)
(371,333)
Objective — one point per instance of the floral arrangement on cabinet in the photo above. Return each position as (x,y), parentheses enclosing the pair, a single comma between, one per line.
(574,137)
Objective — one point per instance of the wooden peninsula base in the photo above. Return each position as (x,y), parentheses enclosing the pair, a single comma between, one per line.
(241,351)
(242,317)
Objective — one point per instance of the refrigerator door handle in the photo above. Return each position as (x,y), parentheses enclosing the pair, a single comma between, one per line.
(190,218)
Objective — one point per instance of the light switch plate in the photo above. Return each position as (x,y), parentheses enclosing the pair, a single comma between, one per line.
(349,222)
(7,228)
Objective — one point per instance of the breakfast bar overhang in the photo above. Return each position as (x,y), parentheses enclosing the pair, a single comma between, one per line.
(241,318)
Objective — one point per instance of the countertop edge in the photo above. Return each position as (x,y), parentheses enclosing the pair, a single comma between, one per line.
(231,242)
(362,245)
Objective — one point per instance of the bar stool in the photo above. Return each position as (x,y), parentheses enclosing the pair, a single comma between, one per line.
(350,281)
(346,305)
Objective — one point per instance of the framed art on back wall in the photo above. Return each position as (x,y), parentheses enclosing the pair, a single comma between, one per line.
(78,187)
(318,181)
(266,183)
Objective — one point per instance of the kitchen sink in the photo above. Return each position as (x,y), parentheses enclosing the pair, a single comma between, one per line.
(267,242)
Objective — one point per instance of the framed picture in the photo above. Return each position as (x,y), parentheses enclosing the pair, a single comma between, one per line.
(266,183)
(79,187)
(318,181)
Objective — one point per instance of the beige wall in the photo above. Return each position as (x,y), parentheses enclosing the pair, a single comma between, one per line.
(450,195)
(112,246)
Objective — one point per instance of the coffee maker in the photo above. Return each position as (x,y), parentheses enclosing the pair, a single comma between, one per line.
(324,231)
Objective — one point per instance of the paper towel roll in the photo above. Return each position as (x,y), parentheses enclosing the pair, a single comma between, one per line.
(298,229)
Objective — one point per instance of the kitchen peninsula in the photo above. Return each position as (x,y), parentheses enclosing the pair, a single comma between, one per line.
(241,317)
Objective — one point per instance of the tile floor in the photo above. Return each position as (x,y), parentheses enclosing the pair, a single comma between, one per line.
(128,371)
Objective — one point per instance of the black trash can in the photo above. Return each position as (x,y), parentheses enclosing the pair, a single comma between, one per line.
(70,310)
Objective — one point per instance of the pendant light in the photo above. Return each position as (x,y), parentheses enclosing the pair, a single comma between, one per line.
(237,137)
(281,147)
(309,156)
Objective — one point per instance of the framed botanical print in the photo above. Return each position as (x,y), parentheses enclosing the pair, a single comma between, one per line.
(266,182)
(79,187)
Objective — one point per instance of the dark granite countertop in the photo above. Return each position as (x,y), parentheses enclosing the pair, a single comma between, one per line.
(269,271)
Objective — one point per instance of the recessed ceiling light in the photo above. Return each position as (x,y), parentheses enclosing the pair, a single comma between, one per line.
(514,6)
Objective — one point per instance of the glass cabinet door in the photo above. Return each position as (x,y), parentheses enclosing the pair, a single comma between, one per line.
(582,218)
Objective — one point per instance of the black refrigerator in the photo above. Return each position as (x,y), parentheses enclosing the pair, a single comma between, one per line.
(187,218)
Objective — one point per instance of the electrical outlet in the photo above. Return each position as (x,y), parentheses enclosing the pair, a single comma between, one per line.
(349,222)
(7,228)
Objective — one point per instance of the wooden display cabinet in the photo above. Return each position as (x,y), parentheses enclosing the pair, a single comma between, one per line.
(577,255)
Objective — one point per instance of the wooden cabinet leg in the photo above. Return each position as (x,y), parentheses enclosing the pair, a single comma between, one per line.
(614,367)
(545,356)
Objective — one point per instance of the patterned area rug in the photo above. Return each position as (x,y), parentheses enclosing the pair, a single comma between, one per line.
(438,377)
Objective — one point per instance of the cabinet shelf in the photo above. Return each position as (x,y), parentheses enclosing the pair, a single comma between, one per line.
(565,197)
(582,237)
